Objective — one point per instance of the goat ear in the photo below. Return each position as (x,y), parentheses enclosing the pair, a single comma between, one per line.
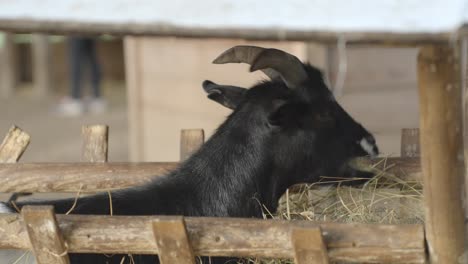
(226,95)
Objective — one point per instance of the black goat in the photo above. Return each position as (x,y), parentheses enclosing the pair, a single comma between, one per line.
(281,132)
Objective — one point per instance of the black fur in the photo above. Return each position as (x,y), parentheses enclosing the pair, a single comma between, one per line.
(274,138)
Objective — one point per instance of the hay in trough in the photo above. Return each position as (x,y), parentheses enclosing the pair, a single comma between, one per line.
(385,199)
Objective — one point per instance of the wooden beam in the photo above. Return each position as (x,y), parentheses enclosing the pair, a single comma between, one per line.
(95,143)
(70,177)
(308,245)
(95,177)
(8,66)
(133,74)
(388,38)
(442,152)
(408,169)
(368,243)
(44,235)
(172,241)
(14,144)
(190,141)
(42,65)
(464,81)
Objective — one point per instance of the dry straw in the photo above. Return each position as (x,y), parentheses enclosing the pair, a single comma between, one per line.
(385,199)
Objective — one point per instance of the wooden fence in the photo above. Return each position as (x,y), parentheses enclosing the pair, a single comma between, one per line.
(178,239)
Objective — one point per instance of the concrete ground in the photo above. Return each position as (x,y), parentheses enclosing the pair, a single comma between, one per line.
(58,139)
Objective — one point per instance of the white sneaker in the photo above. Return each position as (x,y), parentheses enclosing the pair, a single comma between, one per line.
(70,107)
(97,105)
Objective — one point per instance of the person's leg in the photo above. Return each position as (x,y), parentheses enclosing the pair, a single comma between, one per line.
(90,59)
(75,61)
(96,104)
(72,105)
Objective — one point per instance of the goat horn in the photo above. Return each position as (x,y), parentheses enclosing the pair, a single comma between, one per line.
(288,66)
(244,54)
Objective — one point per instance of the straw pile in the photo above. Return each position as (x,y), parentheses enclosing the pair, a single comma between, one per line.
(385,199)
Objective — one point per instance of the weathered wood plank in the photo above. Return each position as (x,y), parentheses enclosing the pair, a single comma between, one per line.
(308,246)
(172,241)
(190,141)
(229,237)
(14,144)
(442,152)
(95,143)
(44,235)
(70,177)
(163,29)
(8,66)
(410,143)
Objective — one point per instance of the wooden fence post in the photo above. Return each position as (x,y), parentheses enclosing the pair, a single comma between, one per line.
(190,141)
(12,148)
(14,144)
(172,241)
(42,64)
(95,143)
(442,158)
(8,67)
(308,245)
(44,235)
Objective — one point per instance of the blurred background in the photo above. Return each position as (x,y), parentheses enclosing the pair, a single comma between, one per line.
(151,88)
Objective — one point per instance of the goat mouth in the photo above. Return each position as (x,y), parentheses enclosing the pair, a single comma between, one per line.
(370,148)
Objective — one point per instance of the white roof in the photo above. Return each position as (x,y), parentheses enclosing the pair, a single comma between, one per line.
(211,17)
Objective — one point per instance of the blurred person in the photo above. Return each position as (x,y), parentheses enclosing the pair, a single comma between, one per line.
(82,54)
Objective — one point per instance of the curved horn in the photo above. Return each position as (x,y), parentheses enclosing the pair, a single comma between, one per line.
(288,66)
(244,54)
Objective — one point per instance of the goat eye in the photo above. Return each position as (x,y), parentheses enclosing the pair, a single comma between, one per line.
(325,117)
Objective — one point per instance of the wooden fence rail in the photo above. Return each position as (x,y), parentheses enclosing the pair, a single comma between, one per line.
(228,237)
(93,177)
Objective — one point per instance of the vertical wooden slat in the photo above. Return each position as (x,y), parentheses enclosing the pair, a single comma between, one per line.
(134,62)
(464,87)
(12,148)
(308,245)
(8,66)
(410,143)
(95,143)
(442,158)
(190,141)
(44,235)
(172,241)
(42,64)
(14,144)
